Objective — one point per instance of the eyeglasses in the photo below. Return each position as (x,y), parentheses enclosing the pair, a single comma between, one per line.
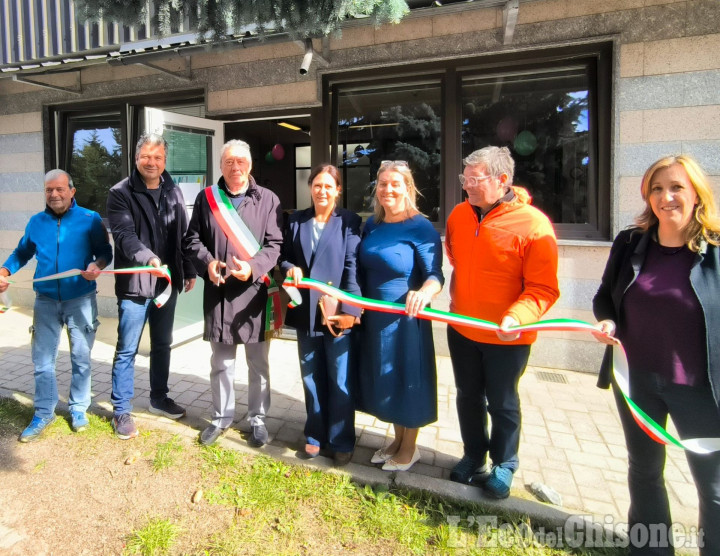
(394,163)
(472,181)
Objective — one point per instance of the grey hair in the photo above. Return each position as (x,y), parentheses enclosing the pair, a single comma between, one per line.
(153,139)
(241,145)
(497,160)
(58,173)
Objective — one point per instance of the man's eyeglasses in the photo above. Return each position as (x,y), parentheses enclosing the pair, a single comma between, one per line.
(473,181)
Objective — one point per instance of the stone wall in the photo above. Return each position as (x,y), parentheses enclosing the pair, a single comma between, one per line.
(21,186)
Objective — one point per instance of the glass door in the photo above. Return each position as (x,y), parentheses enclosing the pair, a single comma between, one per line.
(193,162)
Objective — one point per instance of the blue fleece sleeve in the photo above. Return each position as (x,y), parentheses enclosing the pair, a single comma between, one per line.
(102,250)
(23,252)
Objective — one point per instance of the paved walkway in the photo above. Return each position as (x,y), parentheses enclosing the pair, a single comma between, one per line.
(571,441)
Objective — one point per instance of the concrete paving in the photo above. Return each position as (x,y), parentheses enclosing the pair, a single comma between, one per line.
(572,440)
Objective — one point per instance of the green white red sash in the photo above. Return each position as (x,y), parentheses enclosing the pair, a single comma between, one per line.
(620,365)
(242,239)
(162,272)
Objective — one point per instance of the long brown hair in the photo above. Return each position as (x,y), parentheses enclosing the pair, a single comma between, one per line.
(705,224)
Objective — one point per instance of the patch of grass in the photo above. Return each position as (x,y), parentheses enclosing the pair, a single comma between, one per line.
(221,460)
(98,426)
(166,453)
(17,415)
(14,415)
(388,515)
(155,538)
(297,510)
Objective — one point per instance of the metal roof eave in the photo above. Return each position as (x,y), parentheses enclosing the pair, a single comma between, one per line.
(186,44)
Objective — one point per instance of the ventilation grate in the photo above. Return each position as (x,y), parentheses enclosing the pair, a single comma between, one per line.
(551,377)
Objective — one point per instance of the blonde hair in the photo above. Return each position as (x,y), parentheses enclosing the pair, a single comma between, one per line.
(403,169)
(705,224)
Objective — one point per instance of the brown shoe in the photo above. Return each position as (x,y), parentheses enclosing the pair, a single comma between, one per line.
(312,451)
(342,458)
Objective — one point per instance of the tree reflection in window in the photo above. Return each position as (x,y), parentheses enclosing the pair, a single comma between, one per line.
(543,118)
(95,162)
(393,122)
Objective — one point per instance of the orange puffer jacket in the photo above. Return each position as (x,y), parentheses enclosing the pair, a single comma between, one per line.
(505,264)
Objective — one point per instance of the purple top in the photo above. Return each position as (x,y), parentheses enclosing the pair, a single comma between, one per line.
(662,325)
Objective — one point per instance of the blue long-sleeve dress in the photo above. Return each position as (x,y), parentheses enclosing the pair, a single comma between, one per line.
(398,376)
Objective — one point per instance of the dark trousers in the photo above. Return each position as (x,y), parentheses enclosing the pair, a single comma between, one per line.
(695,415)
(486,378)
(327,368)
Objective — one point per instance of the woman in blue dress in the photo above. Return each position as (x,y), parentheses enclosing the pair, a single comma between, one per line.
(400,260)
(321,242)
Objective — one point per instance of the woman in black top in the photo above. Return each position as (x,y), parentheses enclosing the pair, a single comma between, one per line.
(660,295)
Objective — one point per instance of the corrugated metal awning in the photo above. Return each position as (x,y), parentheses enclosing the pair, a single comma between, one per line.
(44,36)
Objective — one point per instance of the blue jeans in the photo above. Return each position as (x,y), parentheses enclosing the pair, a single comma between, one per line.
(133,313)
(487,378)
(49,317)
(326,367)
(695,415)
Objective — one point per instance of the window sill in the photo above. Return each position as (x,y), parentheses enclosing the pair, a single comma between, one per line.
(584,243)
(572,242)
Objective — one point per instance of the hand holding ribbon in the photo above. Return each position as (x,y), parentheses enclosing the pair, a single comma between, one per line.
(92,272)
(4,283)
(160,271)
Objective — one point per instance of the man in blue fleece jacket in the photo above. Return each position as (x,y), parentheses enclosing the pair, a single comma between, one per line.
(62,237)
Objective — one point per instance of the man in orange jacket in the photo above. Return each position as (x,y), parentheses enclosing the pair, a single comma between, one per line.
(504,257)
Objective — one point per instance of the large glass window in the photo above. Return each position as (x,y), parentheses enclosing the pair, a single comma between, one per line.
(389,122)
(95,161)
(551,108)
(543,117)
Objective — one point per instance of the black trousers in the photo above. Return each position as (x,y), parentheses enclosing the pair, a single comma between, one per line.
(695,415)
(486,378)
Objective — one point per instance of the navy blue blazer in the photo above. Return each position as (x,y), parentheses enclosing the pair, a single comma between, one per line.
(334,261)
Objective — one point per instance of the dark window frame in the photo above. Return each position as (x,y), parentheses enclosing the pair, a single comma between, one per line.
(597,56)
(130,110)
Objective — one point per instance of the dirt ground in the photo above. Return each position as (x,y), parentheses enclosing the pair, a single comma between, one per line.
(72,494)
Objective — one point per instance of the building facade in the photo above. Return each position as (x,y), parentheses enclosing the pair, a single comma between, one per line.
(586,94)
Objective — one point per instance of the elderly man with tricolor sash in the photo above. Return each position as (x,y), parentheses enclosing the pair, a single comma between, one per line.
(234,239)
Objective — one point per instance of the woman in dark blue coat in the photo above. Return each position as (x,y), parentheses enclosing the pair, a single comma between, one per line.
(321,243)
(660,295)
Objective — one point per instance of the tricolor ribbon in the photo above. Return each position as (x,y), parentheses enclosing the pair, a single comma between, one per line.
(620,365)
(163,272)
(242,239)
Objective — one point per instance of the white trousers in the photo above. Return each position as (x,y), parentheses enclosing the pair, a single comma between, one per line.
(222,382)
